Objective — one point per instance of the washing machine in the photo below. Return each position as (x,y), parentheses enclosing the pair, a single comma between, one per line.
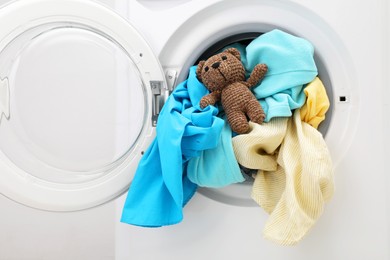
(82,85)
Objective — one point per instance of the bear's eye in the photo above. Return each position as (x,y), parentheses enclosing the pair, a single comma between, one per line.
(224,58)
(206,69)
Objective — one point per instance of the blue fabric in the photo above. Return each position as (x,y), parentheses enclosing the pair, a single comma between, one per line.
(216,167)
(290,66)
(160,187)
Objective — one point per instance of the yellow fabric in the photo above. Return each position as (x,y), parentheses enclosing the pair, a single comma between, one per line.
(257,150)
(295,192)
(317,103)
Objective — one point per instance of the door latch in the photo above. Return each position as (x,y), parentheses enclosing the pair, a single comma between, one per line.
(160,94)
(4,99)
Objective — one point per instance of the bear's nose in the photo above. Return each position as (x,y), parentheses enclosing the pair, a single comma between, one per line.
(215,65)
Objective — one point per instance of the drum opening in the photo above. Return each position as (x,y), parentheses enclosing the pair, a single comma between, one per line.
(239,194)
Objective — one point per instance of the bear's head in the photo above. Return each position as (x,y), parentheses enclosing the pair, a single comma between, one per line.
(221,70)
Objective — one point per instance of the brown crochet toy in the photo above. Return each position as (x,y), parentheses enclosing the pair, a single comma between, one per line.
(224,76)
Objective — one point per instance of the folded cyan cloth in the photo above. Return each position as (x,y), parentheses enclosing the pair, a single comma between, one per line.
(216,167)
(317,103)
(295,192)
(290,66)
(160,187)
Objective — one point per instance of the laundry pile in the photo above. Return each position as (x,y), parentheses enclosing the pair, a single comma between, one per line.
(196,147)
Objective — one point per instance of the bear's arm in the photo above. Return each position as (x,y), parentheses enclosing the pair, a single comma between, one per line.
(210,99)
(257,75)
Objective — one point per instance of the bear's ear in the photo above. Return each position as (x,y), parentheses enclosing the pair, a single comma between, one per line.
(234,52)
(199,70)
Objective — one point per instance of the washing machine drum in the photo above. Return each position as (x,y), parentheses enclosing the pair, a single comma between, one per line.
(76,106)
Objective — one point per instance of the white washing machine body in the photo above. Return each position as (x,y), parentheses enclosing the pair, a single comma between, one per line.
(350,49)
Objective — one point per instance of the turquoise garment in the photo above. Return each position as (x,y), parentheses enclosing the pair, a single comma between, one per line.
(160,187)
(216,167)
(290,66)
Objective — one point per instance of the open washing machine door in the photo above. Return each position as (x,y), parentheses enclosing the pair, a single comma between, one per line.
(79,96)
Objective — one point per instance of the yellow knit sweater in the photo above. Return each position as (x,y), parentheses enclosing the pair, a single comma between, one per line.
(295,176)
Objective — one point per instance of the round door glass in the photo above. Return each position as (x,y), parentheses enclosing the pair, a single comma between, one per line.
(73,100)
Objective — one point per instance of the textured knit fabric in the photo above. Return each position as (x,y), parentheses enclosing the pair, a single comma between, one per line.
(242,49)
(160,187)
(317,103)
(216,167)
(258,149)
(294,182)
(290,66)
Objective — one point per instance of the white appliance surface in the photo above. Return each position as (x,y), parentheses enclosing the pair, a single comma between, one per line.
(352,42)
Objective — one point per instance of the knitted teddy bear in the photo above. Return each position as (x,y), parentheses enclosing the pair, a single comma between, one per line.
(224,76)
